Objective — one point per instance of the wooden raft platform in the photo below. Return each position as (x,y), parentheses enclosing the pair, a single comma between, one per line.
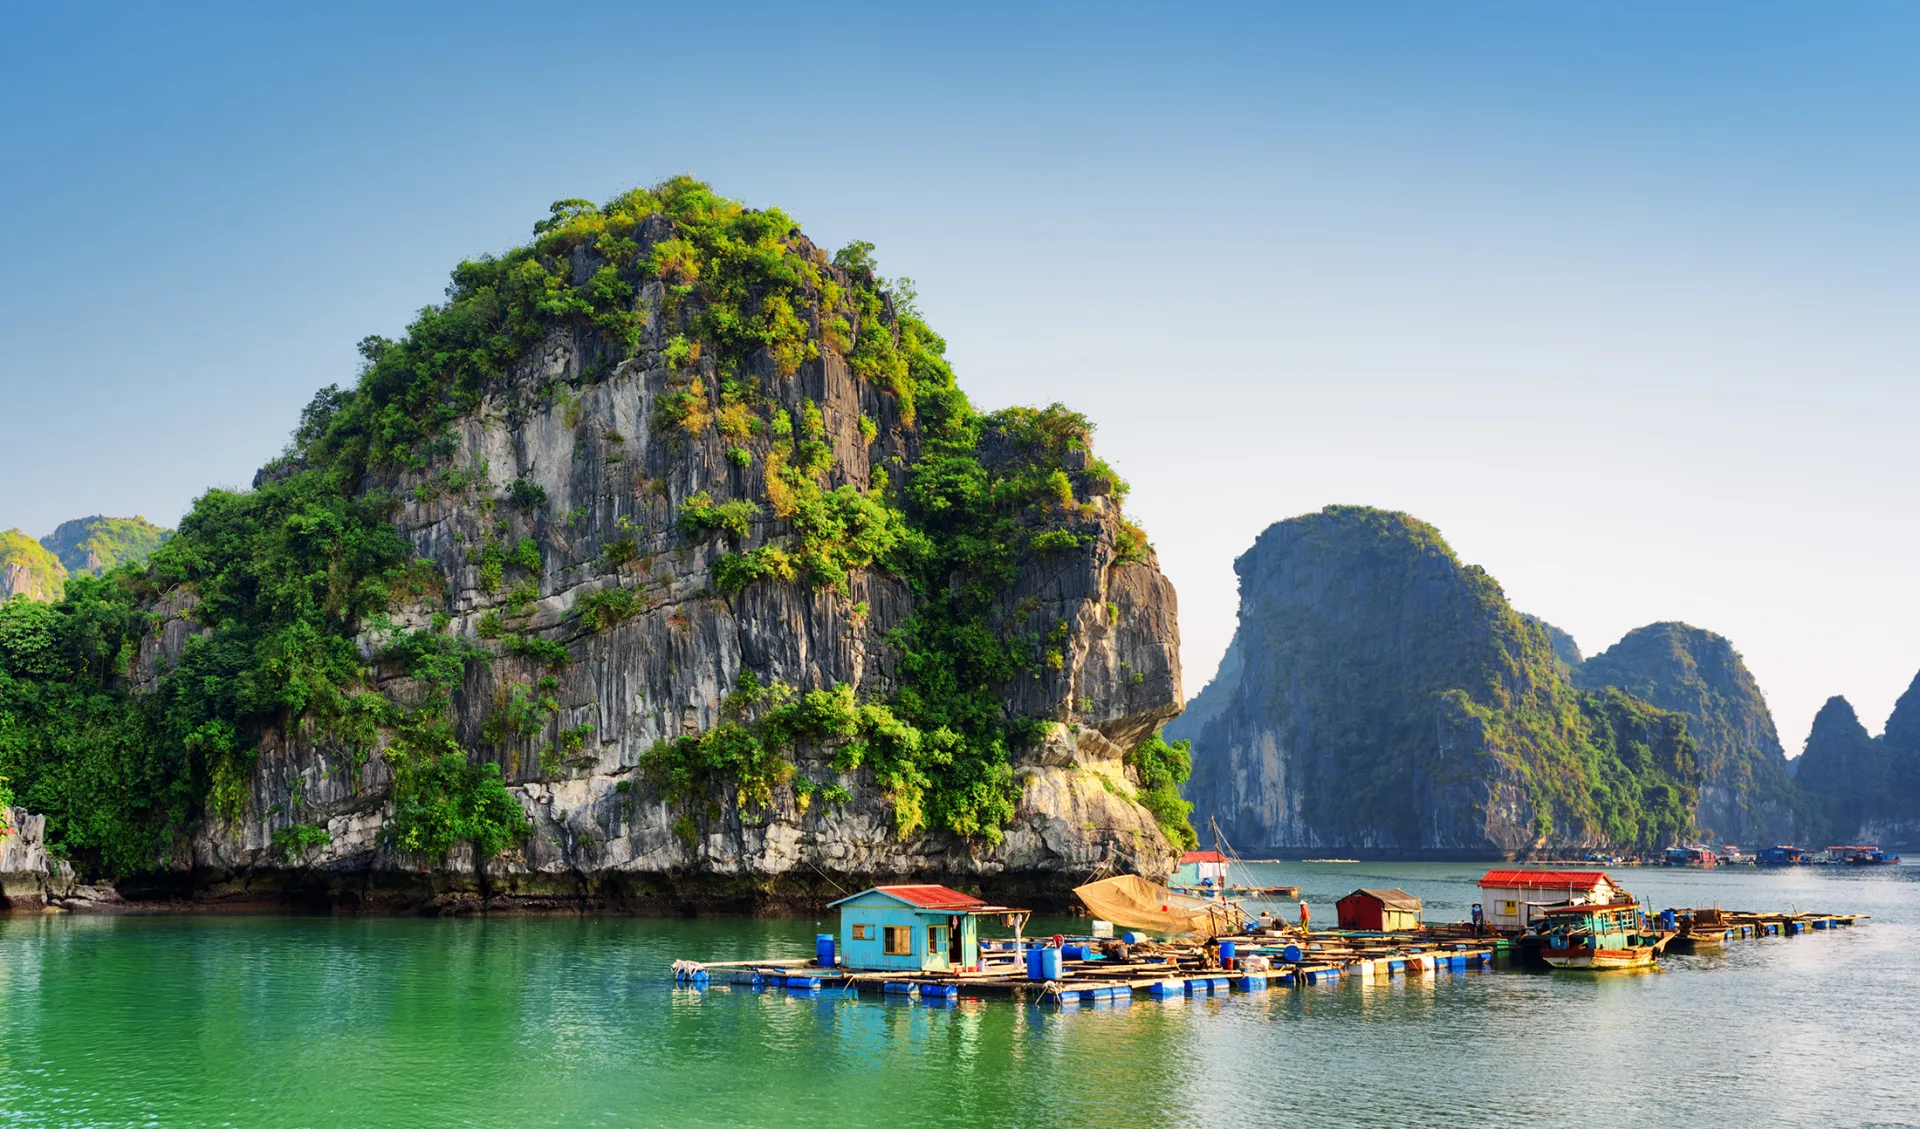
(1158,971)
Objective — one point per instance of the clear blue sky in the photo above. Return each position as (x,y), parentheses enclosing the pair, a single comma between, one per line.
(1620,297)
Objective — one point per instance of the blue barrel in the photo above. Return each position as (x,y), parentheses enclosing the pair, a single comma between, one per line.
(1050,965)
(1666,920)
(1132,938)
(1033,965)
(1073,952)
(823,950)
(1291,954)
(1226,950)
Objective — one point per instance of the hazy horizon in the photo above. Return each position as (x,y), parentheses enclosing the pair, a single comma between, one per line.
(1619,300)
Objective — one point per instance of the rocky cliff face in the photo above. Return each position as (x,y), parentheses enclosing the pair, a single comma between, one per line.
(564,491)
(1746,795)
(1868,787)
(1383,698)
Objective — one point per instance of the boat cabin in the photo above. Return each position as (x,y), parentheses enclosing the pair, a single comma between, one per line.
(1857,855)
(1782,855)
(1201,868)
(1379,911)
(1515,899)
(1692,855)
(1595,937)
(914,929)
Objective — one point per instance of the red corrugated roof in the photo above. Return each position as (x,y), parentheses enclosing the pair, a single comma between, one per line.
(1556,879)
(1202,856)
(931,897)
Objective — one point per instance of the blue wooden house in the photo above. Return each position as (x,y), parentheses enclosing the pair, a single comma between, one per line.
(912,929)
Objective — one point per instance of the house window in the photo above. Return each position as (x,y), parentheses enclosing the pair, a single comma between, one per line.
(936,941)
(863,932)
(899,940)
(1511,909)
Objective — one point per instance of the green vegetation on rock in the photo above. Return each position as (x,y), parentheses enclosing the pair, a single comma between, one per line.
(1162,767)
(75,746)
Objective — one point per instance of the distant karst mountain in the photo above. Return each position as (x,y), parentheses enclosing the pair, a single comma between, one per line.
(1747,795)
(27,569)
(1382,697)
(39,569)
(98,543)
(1868,787)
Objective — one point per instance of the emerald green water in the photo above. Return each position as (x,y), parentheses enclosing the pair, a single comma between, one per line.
(282,1021)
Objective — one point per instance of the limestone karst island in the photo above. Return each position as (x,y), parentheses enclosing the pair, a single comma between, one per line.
(655,658)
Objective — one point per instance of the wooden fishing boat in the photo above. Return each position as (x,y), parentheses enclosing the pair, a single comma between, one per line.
(1702,929)
(1599,938)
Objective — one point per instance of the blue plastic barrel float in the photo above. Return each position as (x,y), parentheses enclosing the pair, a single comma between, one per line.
(1291,954)
(1073,952)
(895,988)
(1132,938)
(1161,989)
(939,991)
(1253,983)
(1050,965)
(1227,950)
(823,950)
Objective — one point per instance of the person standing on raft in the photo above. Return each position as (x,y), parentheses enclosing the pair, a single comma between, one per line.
(1305,917)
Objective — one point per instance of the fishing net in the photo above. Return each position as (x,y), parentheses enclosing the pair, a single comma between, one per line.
(1132,902)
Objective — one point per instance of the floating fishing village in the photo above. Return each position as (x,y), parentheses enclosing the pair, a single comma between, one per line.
(926,942)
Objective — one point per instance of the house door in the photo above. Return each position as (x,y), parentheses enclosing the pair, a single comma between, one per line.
(956,941)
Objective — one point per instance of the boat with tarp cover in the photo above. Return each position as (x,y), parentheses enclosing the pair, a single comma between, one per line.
(1599,938)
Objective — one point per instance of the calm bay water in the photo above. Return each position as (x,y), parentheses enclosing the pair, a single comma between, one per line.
(283,1021)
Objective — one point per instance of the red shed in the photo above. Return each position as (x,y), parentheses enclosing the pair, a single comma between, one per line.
(1379,911)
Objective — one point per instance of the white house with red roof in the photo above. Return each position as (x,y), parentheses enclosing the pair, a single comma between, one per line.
(1512,899)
